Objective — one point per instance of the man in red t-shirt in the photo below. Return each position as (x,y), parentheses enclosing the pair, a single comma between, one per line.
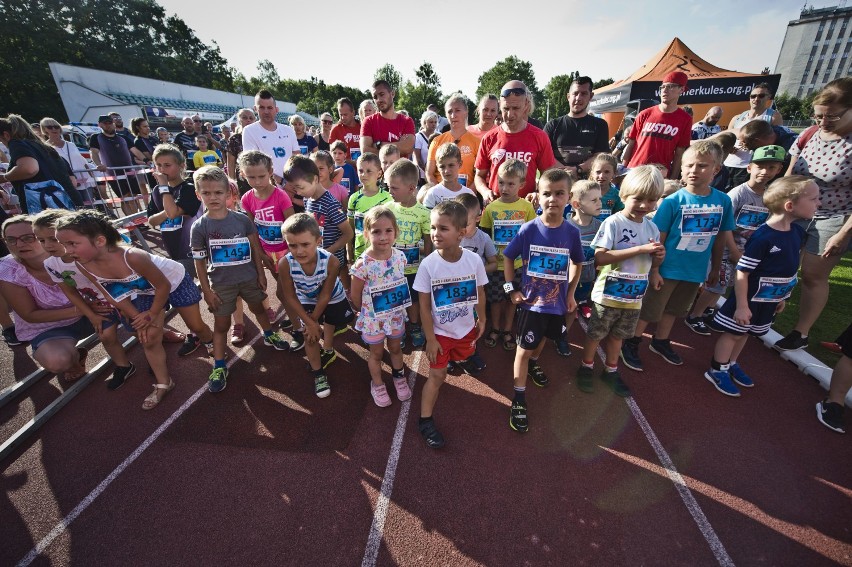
(661,133)
(514,138)
(386,126)
(348,130)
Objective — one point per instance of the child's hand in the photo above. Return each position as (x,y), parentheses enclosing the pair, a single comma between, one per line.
(516,297)
(432,349)
(162,178)
(98,323)
(713,279)
(142,320)
(480,325)
(261,280)
(101,307)
(655,281)
(572,304)
(268,263)
(742,315)
(781,305)
(313,331)
(212,299)
(654,248)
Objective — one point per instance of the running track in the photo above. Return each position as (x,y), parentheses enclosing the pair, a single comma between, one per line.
(267,474)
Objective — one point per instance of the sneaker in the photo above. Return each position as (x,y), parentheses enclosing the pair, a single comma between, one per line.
(698,325)
(327,357)
(298,341)
(285,324)
(722,381)
(418,339)
(793,341)
(237,333)
(452,366)
(189,346)
(380,395)
(209,346)
(585,379)
(477,361)
(831,415)
(270,312)
(218,380)
(433,438)
(277,341)
(535,372)
(739,376)
(119,376)
(562,347)
(469,367)
(518,417)
(321,387)
(10,337)
(664,349)
(586,311)
(340,329)
(630,355)
(614,381)
(403,392)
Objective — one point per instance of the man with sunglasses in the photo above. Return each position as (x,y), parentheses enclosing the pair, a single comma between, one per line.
(760,102)
(662,133)
(514,138)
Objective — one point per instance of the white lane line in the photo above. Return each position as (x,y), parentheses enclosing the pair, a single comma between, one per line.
(683,490)
(104,484)
(374,541)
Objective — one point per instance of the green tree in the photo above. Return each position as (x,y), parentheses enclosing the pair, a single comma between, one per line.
(511,68)
(388,72)
(602,83)
(415,97)
(555,94)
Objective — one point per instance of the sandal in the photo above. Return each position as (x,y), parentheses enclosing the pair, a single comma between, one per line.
(509,342)
(74,376)
(492,338)
(152,400)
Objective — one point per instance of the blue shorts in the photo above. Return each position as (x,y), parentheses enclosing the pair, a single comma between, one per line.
(762,317)
(186,294)
(79,329)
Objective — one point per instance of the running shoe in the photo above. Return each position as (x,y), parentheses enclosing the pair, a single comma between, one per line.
(433,437)
(218,380)
(585,379)
(237,332)
(793,341)
(698,325)
(630,355)
(537,375)
(327,357)
(189,346)
(663,347)
(721,380)
(298,341)
(321,387)
(613,379)
(277,341)
(739,376)
(518,417)
(831,415)
(119,376)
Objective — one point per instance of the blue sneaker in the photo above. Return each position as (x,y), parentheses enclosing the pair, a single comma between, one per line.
(562,347)
(418,339)
(740,377)
(722,382)
(218,380)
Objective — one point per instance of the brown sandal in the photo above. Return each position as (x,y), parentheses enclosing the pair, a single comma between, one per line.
(509,342)
(153,399)
(492,338)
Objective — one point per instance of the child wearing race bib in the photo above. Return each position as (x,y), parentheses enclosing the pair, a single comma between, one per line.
(173,206)
(226,249)
(602,171)
(362,200)
(140,285)
(308,278)
(325,166)
(693,224)
(502,219)
(380,292)
(749,214)
(84,295)
(552,254)
(303,176)
(585,207)
(204,155)
(412,220)
(766,276)
(628,250)
(269,206)
(450,282)
(340,153)
(449,159)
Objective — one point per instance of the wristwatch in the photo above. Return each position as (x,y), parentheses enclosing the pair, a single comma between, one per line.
(378,144)
(163,189)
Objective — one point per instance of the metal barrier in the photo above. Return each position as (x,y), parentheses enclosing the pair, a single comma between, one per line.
(125,188)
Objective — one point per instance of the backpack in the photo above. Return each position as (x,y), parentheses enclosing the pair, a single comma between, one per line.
(805,136)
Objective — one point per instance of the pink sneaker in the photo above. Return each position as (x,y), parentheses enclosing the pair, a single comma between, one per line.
(403,392)
(237,334)
(380,395)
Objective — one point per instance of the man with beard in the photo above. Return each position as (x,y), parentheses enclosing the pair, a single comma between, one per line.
(110,151)
(387,126)
(703,129)
(578,135)
(660,134)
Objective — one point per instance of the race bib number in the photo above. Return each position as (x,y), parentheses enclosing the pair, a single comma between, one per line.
(229,251)
(345,183)
(130,286)
(700,221)
(453,292)
(463,179)
(605,214)
(269,231)
(355,154)
(624,287)
(588,253)
(774,290)
(548,263)
(304,150)
(391,297)
(751,217)
(412,254)
(171,225)
(506,230)
(358,218)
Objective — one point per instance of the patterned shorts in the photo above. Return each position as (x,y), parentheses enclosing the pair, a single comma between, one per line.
(605,321)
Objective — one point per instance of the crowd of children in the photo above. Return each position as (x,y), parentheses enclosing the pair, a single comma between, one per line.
(396,264)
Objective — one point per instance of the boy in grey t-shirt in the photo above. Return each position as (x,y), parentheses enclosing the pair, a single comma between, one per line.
(227,257)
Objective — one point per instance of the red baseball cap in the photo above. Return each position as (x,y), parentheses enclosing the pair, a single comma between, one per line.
(677,78)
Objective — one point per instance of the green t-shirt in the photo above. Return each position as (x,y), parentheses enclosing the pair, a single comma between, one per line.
(502,221)
(358,205)
(413,223)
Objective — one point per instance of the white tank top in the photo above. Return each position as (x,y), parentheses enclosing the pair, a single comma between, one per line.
(135,284)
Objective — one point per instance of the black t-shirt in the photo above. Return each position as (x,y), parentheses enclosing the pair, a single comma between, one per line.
(574,140)
(176,242)
(50,167)
(145,145)
(322,144)
(114,151)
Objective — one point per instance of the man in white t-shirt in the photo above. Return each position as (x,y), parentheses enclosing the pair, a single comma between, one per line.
(278,141)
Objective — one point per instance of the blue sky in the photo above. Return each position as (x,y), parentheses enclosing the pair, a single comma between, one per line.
(344,42)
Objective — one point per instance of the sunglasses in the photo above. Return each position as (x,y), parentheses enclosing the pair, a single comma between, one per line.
(25,239)
(326,121)
(520,91)
(761,95)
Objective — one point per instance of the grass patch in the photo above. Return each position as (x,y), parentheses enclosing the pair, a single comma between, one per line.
(834,318)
